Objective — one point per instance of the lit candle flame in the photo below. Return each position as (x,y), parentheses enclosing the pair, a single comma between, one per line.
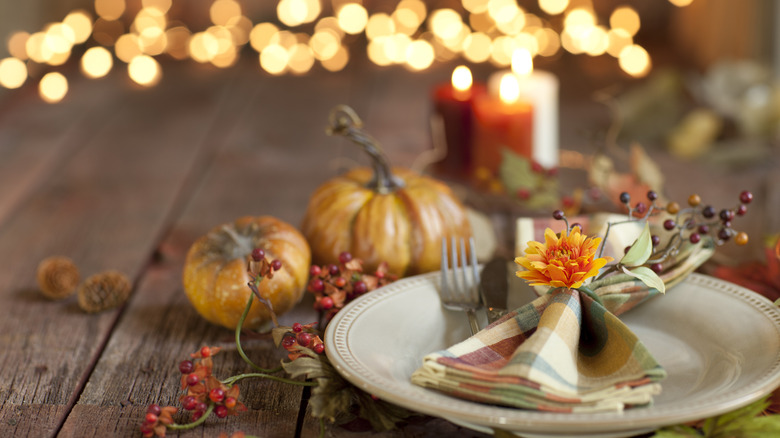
(522,62)
(461,78)
(509,89)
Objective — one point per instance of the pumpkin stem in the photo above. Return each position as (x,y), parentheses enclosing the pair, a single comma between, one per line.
(344,121)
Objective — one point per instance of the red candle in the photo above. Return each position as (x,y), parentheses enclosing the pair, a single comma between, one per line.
(502,122)
(453,108)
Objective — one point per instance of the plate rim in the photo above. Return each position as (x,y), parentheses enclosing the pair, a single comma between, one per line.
(512,419)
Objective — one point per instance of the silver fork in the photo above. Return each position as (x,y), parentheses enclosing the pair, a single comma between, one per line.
(460,282)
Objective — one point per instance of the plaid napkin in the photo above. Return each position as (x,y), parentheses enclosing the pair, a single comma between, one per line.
(563,352)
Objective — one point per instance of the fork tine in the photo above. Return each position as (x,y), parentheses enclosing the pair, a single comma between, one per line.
(454,266)
(474,270)
(458,289)
(464,289)
(445,287)
(470,289)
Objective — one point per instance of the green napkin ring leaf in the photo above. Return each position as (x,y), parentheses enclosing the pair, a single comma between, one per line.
(647,276)
(640,251)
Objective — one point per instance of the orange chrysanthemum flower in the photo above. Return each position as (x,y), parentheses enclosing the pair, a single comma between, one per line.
(565,261)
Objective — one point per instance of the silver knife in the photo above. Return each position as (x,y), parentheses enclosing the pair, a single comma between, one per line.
(494,286)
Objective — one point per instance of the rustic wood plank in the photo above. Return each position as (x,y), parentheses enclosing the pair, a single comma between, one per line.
(105,206)
(35,138)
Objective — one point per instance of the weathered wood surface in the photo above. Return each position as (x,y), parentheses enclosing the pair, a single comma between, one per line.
(119,178)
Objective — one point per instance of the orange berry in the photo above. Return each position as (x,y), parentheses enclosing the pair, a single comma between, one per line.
(496,186)
(482,174)
(742,238)
(694,200)
(673,207)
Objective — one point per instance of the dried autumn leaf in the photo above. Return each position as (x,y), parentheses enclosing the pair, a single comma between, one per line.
(305,366)
(278,334)
(382,415)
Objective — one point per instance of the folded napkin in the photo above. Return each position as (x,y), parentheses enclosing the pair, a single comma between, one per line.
(563,352)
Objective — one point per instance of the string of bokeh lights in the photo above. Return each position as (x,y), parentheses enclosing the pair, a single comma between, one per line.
(411,36)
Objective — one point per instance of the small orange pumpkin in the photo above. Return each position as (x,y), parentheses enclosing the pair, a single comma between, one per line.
(381,215)
(215,271)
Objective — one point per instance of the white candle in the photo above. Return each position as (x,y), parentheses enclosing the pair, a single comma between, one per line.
(540,89)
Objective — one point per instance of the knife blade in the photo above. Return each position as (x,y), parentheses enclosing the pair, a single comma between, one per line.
(493,287)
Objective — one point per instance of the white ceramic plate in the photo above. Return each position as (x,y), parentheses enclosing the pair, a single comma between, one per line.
(719,343)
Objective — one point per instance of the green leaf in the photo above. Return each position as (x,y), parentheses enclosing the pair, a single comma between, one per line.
(648,277)
(746,421)
(677,432)
(545,197)
(515,171)
(745,412)
(640,251)
(758,427)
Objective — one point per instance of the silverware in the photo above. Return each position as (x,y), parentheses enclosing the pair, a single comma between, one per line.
(493,287)
(460,281)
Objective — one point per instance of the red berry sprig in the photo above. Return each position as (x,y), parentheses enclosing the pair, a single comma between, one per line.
(204,391)
(298,339)
(336,285)
(156,420)
(205,394)
(258,269)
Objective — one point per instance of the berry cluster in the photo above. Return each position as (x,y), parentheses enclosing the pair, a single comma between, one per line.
(300,335)
(205,394)
(702,220)
(156,420)
(692,223)
(336,285)
(205,391)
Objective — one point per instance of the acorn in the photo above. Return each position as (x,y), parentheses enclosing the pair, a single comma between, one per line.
(104,291)
(58,277)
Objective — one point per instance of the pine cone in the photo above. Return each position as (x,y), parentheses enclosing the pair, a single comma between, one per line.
(58,277)
(104,291)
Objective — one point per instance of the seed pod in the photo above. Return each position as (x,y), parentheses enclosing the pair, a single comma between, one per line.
(104,291)
(58,277)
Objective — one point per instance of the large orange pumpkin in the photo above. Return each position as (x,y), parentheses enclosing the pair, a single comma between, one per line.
(381,215)
(215,271)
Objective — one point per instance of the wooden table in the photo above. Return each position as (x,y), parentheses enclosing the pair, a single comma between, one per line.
(117,177)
